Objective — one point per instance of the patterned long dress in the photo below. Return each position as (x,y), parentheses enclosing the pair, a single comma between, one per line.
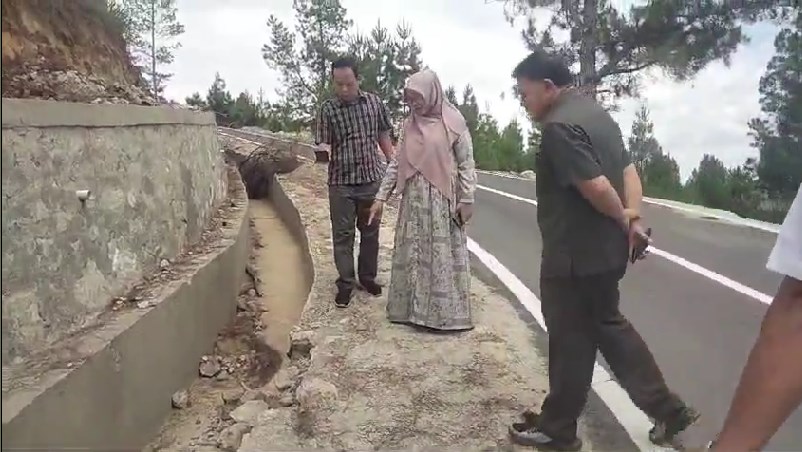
(430,281)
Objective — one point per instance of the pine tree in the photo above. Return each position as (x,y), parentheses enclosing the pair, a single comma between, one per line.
(612,45)
(778,133)
(658,171)
(152,27)
(385,62)
(196,100)
(303,55)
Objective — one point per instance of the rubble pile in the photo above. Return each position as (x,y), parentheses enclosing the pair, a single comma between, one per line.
(38,81)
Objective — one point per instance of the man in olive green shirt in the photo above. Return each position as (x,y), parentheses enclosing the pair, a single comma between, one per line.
(589,196)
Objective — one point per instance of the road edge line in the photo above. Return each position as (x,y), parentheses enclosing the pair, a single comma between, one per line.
(743,289)
(770,228)
(633,420)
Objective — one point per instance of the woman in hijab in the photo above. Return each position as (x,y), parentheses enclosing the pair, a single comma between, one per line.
(434,173)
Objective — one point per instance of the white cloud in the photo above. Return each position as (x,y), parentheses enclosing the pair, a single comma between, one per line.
(470,41)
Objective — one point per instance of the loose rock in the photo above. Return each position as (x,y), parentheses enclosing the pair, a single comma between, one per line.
(233,395)
(302,343)
(249,411)
(286,400)
(164,264)
(231,437)
(251,395)
(315,393)
(285,378)
(180,399)
(209,368)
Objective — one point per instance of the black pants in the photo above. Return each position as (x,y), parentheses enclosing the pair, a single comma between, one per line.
(350,206)
(582,316)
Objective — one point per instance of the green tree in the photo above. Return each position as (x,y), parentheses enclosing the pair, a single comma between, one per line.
(485,139)
(151,33)
(451,95)
(303,56)
(385,62)
(509,147)
(642,143)
(532,148)
(778,133)
(196,100)
(611,45)
(658,171)
(469,108)
(244,111)
(709,183)
(743,190)
(219,100)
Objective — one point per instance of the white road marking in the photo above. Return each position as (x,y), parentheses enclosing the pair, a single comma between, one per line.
(763,226)
(696,268)
(633,420)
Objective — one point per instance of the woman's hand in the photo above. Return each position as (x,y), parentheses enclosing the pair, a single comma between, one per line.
(376,210)
(464,212)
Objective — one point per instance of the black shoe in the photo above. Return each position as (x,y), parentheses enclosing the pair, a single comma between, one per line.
(528,434)
(371,287)
(665,432)
(343,298)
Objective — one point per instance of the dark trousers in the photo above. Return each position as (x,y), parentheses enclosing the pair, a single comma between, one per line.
(350,207)
(583,316)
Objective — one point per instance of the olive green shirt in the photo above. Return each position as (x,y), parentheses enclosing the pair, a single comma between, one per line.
(580,141)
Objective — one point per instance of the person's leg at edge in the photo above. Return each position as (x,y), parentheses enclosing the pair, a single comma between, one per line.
(368,238)
(631,361)
(343,218)
(572,354)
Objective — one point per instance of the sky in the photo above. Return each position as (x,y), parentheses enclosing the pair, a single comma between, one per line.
(471,42)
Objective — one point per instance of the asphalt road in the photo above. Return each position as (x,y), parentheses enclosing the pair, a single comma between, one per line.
(699,330)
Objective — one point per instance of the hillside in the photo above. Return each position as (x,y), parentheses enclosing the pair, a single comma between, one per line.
(70,50)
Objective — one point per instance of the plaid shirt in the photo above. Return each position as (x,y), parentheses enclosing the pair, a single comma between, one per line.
(352,130)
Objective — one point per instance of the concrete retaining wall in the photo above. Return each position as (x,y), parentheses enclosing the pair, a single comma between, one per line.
(118,393)
(155,175)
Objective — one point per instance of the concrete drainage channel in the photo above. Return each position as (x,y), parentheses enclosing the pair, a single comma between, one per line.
(239,374)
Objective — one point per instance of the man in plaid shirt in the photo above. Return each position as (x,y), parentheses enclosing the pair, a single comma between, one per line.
(351,126)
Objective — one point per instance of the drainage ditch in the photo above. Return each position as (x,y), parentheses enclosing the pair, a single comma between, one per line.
(251,350)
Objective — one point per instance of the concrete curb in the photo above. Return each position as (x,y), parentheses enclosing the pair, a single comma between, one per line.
(291,216)
(119,391)
(42,113)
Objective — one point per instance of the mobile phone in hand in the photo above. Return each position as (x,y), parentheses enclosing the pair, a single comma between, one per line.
(639,250)
(457,219)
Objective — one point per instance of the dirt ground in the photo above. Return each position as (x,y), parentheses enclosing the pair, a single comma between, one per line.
(358,382)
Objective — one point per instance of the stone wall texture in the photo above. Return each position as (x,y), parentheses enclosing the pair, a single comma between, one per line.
(155,174)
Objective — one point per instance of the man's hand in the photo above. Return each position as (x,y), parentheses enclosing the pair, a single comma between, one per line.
(464,212)
(376,210)
(639,240)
